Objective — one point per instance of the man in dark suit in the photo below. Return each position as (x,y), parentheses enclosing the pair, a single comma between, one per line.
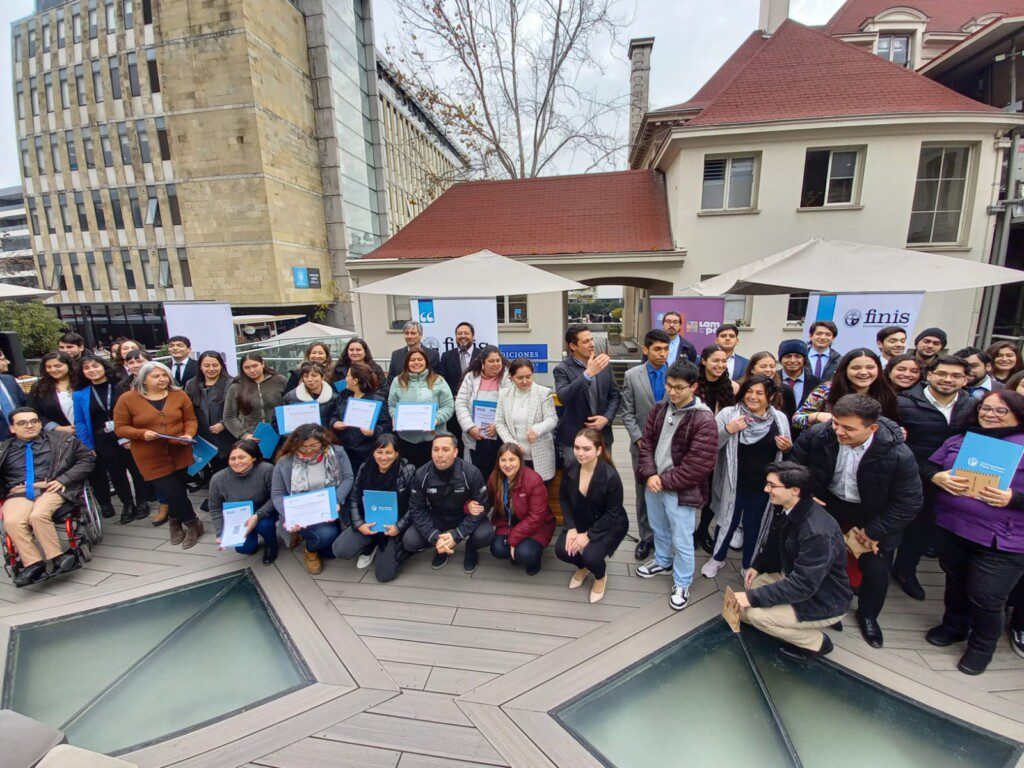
(454,364)
(672,324)
(980,382)
(795,375)
(183,367)
(11,397)
(728,338)
(413,333)
(586,389)
(822,358)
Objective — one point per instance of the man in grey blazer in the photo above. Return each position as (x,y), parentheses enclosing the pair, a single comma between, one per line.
(643,387)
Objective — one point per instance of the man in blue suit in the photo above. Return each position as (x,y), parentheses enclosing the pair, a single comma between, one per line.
(728,337)
(11,397)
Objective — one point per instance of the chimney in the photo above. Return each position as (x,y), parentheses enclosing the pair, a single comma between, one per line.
(639,83)
(773,13)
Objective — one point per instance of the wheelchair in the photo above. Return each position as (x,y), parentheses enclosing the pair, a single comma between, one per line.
(78,521)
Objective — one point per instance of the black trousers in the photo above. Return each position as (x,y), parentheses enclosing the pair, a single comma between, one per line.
(351,543)
(592,557)
(919,536)
(1016,604)
(528,553)
(874,568)
(485,456)
(144,490)
(416,454)
(481,538)
(979,580)
(173,489)
(111,462)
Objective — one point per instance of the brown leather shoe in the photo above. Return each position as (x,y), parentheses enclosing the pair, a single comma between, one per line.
(293,540)
(193,530)
(313,562)
(177,532)
(162,513)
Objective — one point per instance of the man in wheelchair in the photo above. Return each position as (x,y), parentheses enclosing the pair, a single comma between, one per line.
(39,472)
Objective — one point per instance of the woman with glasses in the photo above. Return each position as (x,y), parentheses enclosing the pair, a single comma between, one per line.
(981,538)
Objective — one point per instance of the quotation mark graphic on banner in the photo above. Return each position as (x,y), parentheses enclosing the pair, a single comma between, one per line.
(426,311)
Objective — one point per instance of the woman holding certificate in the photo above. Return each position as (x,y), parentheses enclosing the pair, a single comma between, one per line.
(382,485)
(252,397)
(522,519)
(314,387)
(477,404)
(310,464)
(207,392)
(981,532)
(526,417)
(419,403)
(159,420)
(595,520)
(361,414)
(244,488)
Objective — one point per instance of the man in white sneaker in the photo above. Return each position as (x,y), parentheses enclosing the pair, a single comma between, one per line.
(676,456)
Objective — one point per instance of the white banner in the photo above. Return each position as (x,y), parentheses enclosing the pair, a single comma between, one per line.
(207,324)
(860,316)
(439,318)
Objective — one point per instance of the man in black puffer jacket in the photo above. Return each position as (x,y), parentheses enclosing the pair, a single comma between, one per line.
(869,482)
(930,412)
(797,583)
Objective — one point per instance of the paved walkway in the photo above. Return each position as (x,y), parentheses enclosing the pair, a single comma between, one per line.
(472,663)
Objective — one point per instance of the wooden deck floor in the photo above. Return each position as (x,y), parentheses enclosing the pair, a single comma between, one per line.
(459,647)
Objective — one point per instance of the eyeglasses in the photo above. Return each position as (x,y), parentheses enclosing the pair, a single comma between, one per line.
(994,409)
(26,422)
(773,486)
(677,387)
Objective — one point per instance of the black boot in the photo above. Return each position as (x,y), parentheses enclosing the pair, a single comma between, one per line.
(64,563)
(127,514)
(107,510)
(269,550)
(141,510)
(31,574)
(909,584)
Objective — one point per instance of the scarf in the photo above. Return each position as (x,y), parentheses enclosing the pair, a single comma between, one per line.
(301,471)
(999,433)
(757,426)
(375,480)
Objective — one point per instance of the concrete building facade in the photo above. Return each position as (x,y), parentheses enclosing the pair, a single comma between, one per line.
(16,263)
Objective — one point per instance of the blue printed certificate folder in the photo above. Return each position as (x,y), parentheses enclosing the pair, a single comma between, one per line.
(310,508)
(268,439)
(236,515)
(361,413)
(987,462)
(380,508)
(203,453)
(484,412)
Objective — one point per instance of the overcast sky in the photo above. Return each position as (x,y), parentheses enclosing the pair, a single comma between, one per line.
(692,38)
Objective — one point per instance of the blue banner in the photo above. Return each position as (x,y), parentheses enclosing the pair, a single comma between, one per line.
(300,276)
(532,352)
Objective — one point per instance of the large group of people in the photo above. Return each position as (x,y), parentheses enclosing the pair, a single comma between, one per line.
(831,474)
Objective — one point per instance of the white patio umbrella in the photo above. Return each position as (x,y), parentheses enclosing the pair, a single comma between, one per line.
(479,274)
(833,266)
(9,292)
(314,331)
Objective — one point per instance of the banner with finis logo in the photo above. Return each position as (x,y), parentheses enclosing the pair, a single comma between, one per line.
(439,317)
(860,316)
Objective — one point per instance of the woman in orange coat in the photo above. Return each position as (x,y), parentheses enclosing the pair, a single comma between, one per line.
(158,418)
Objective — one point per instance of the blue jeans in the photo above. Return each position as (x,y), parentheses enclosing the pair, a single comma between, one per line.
(320,537)
(672,524)
(749,510)
(266,528)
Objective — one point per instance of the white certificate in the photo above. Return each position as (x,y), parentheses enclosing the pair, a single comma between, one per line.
(415,417)
(310,508)
(290,417)
(361,414)
(235,518)
(484,412)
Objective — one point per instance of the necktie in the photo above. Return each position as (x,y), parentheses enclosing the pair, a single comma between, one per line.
(791,383)
(177,373)
(817,366)
(30,474)
(6,402)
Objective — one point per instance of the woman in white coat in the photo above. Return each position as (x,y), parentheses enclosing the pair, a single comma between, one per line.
(483,382)
(751,434)
(526,417)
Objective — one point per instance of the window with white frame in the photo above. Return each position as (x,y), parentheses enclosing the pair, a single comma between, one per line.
(895,48)
(399,312)
(513,310)
(729,183)
(937,214)
(830,177)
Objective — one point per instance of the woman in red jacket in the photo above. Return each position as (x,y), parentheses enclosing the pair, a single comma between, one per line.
(522,519)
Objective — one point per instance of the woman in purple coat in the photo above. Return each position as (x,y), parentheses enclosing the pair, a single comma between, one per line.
(981,546)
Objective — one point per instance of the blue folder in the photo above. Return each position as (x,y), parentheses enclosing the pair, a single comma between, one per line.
(376,411)
(989,456)
(268,438)
(380,508)
(203,453)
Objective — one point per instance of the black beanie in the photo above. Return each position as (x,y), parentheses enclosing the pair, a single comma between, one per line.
(936,332)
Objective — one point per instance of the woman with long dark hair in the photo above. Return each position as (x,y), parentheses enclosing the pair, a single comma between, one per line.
(418,384)
(981,544)
(358,351)
(52,395)
(96,394)
(362,383)
(310,461)
(765,364)
(1006,360)
(317,352)
(859,373)
(314,387)
(522,519)
(247,478)
(903,372)
(208,391)
(714,387)
(388,472)
(485,379)
(252,397)
(595,519)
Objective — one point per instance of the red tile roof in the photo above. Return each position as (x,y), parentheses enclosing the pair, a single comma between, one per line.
(618,212)
(802,73)
(944,15)
(725,73)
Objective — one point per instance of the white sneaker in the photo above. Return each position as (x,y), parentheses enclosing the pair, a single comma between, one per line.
(736,542)
(711,568)
(365,561)
(650,569)
(679,598)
